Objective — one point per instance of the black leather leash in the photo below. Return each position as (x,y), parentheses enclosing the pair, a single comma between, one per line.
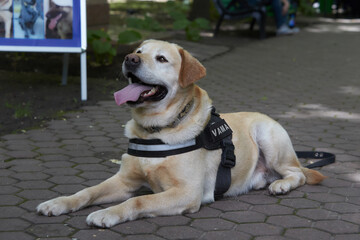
(326,158)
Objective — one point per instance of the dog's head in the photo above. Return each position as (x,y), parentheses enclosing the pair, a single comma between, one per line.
(157,71)
(28,3)
(59,19)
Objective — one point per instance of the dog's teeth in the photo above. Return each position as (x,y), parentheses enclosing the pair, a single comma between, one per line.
(151,92)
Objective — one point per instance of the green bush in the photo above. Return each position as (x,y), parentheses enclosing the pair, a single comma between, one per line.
(305,8)
(178,12)
(22,110)
(129,36)
(148,23)
(101,45)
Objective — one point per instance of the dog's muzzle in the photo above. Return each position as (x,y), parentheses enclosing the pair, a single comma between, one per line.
(138,90)
(132,61)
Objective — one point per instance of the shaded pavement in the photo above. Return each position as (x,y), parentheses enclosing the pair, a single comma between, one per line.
(310,83)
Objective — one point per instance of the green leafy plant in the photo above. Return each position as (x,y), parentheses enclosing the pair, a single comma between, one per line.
(20,110)
(305,7)
(129,36)
(178,12)
(104,49)
(101,45)
(147,23)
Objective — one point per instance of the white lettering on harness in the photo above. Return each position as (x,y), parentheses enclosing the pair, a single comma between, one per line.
(220,130)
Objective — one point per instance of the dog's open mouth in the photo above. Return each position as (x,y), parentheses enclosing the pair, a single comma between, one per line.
(139,92)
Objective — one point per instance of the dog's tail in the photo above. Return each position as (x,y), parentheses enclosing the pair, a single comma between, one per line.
(312,176)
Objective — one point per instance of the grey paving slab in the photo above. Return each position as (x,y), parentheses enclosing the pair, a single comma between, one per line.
(170,220)
(214,235)
(307,233)
(308,82)
(136,227)
(212,224)
(259,229)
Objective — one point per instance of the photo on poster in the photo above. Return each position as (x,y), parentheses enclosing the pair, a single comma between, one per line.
(59,19)
(28,19)
(6,18)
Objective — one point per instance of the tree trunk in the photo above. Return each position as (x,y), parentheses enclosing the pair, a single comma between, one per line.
(200,8)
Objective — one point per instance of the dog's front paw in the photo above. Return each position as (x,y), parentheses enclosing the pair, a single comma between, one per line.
(54,207)
(103,218)
(279,187)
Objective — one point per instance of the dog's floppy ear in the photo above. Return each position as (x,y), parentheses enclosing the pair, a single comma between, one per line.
(191,69)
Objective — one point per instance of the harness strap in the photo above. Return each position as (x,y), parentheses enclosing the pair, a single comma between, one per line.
(155,148)
(217,134)
(326,158)
(228,161)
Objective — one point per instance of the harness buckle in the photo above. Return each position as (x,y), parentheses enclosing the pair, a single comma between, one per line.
(228,158)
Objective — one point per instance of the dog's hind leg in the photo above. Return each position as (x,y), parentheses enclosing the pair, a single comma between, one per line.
(280,158)
(292,177)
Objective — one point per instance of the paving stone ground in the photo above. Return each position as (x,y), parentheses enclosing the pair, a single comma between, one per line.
(310,83)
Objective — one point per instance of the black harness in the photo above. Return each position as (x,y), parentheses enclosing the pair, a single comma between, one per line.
(216,135)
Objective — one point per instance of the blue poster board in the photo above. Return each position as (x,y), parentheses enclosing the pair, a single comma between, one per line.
(45,26)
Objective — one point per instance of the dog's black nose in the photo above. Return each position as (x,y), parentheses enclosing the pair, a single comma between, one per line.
(132,61)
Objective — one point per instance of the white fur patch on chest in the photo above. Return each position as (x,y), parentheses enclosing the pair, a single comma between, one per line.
(149,162)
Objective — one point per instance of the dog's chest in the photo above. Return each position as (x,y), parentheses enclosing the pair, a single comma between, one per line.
(159,173)
(151,162)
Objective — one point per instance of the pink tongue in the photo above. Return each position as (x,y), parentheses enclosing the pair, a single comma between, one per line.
(130,93)
(54,21)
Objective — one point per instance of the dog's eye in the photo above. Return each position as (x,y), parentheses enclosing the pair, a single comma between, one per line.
(161,59)
(138,51)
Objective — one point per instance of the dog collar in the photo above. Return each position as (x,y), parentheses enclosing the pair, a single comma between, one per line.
(178,119)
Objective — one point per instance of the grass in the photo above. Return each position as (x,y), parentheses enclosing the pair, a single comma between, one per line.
(21,110)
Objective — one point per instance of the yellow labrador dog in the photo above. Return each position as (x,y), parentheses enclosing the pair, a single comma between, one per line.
(167,105)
